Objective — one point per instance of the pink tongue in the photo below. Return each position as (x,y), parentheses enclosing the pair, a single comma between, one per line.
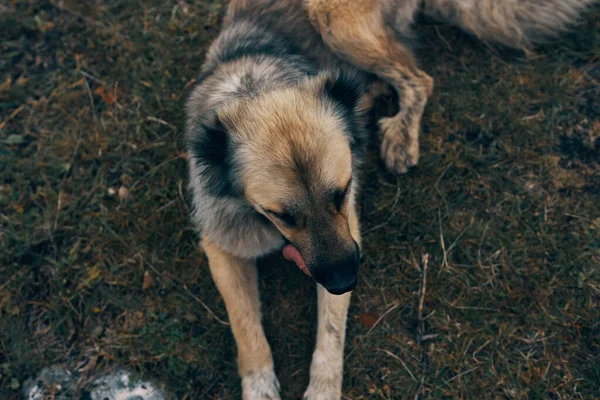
(292,254)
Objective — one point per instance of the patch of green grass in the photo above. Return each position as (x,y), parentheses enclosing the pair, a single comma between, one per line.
(505,201)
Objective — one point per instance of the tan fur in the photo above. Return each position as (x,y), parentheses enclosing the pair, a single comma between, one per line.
(284,122)
(515,23)
(288,123)
(349,27)
(236,280)
(327,364)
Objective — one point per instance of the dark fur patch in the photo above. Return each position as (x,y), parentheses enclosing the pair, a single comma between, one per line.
(250,47)
(346,89)
(255,42)
(211,149)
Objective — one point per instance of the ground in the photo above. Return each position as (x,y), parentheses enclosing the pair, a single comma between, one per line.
(100,266)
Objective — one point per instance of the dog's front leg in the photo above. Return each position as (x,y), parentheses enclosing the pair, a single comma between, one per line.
(327,367)
(236,280)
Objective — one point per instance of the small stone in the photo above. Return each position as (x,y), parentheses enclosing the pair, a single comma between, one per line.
(123,193)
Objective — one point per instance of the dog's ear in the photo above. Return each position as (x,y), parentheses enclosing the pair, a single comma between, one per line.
(344,87)
(211,150)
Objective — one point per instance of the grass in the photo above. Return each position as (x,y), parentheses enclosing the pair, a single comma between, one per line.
(505,200)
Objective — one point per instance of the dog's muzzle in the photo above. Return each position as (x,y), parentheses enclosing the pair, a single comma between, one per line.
(338,276)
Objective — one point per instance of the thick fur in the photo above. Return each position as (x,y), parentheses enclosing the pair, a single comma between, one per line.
(515,23)
(276,139)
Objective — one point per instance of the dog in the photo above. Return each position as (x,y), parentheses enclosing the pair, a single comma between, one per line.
(276,136)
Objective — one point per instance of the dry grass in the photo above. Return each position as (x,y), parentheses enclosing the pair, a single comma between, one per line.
(505,201)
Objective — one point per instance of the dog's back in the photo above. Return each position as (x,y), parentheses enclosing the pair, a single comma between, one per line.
(288,20)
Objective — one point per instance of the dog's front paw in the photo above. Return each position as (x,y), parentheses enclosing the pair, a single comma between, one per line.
(325,378)
(399,144)
(262,385)
(319,394)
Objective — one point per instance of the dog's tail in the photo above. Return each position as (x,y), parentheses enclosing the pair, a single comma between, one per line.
(516,23)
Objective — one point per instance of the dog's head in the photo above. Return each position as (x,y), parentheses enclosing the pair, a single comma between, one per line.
(291,153)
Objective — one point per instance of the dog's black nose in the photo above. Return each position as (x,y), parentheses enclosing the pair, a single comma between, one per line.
(339,276)
(341,289)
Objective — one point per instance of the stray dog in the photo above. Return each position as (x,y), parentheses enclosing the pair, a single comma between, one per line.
(276,137)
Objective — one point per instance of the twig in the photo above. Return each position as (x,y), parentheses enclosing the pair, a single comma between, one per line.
(420,389)
(169,204)
(12,278)
(422,291)
(443,244)
(381,317)
(437,185)
(91,21)
(429,336)
(11,116)
(462,374)
(441,37)
(593,222)
(594,81)
(152,170)
(91,96)
(469,307)
(161,121)
(211,312)
(64,179)
(394,210)
(58,207)
(208,389)
(72,159)
(395,357)
(421,327)
(148,263)
(138,254)
(446,252)
(181,196)
(92,77)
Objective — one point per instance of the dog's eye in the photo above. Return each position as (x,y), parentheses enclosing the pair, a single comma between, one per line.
(339,197)
(286,218)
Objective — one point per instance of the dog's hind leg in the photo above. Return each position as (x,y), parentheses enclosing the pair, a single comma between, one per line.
(327,367)
(366,33)
(236,280)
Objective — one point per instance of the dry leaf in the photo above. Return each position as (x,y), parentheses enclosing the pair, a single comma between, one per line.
(368,320)
(109,97)
(6,84)
(148,281)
